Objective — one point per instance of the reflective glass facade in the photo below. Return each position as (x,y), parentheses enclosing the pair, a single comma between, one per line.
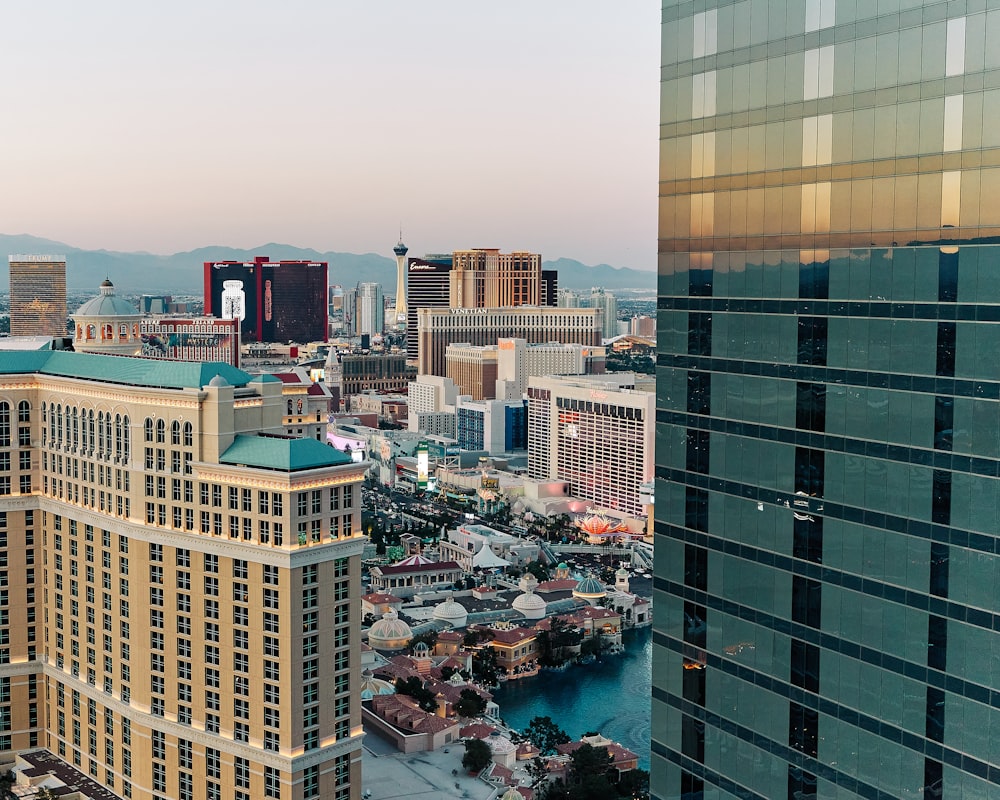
(827,591)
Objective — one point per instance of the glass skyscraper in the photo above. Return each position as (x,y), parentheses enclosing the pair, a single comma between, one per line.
(827,592)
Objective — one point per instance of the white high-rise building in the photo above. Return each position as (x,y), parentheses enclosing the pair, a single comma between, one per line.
(518,361)
(366,306)
(600,298)
(596,432)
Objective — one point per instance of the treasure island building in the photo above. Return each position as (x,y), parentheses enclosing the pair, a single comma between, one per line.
(176,610)
(828,448)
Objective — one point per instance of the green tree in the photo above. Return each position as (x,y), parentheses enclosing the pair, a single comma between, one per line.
(545,734)
(470,703)
(590,646)
(477,755)
(538,569)
(485,669)
(414,687)
(552,643)
(7,781)
(590,774)
(634,783)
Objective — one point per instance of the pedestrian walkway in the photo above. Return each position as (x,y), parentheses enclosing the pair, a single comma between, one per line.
(390,775)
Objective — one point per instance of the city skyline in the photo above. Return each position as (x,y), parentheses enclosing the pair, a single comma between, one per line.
(330,126)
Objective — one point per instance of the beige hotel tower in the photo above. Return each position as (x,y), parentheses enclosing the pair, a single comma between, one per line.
(176,584)
(37,295)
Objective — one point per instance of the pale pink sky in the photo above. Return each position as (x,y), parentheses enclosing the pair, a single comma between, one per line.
(524,124)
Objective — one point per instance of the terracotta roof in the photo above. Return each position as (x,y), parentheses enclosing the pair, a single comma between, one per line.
(527,750)
(619,754)
(556,585)
(450,636)
(514,635)
(404,713)
(381,597)
(477,730)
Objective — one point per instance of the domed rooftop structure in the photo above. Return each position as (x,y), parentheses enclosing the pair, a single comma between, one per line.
(500,744)
(512,794)
(217,381)
(590,589)
(106,304)
(529,604)
(372,686)
(400,249)
(451,611)
(389,633)
(107,324)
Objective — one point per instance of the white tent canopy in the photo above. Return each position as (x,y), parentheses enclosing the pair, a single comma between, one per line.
(487,559)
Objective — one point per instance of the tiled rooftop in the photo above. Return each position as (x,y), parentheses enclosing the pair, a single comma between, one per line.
(282,453)
(150,372)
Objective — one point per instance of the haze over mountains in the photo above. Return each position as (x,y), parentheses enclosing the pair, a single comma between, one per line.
(182,272)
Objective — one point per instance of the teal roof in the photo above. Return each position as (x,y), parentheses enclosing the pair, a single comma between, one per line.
(590,586)
(152,372)
(282,453)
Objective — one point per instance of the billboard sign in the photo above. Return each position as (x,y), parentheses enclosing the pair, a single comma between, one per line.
(422,465)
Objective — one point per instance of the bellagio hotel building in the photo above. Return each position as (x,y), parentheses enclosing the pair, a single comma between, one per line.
(176,615)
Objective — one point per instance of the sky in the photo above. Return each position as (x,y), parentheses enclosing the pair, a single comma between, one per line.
(162,127)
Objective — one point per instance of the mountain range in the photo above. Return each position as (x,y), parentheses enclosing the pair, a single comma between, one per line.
(181,273)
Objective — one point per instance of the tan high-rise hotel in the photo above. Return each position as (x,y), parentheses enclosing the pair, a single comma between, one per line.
(37,295)
(177,576)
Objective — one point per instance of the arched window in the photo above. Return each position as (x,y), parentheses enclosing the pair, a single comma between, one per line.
(106,443)
(24,411)
(4,424)
(123,331)
(93,433)
(289,406)
(175,432)
(188,435)
(74,437)
(126,439)
(161,431)
(100,433)
(45,412)
(119,436)
(91,331)
(147,429)
(59,425)
(84,439)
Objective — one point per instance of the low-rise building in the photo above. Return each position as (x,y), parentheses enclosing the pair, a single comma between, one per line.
(415,575)
(481,546)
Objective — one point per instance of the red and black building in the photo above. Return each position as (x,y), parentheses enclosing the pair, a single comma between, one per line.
(282,301)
